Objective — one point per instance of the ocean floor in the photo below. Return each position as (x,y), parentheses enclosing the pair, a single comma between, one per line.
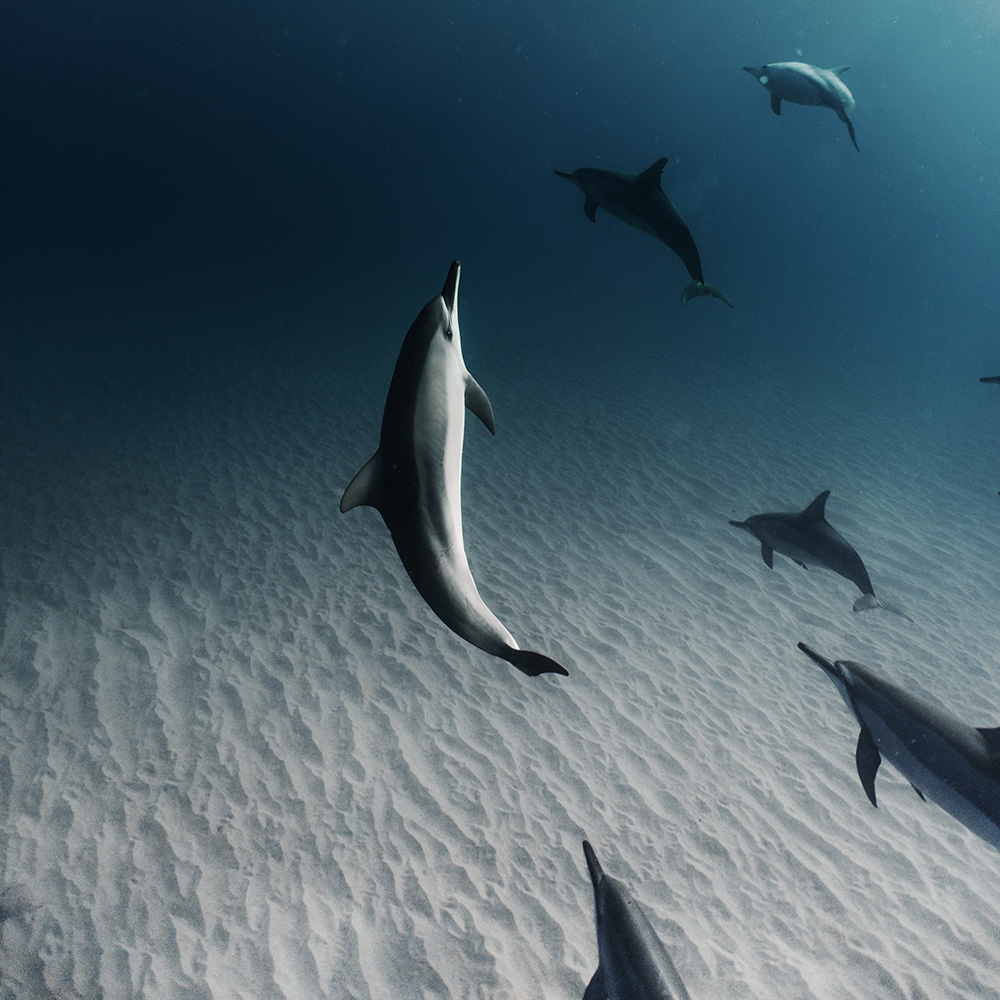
(241,760)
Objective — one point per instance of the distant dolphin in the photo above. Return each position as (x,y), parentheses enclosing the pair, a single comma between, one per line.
(632,962)
(991,378)
(414,480)
(944,759)
(800,83)
(639,201)
(808,539)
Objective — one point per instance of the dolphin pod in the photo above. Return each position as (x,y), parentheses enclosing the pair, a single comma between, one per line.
(800,83)
(807,538)
(632,963)
(414,480)
(945,760)
(639,201)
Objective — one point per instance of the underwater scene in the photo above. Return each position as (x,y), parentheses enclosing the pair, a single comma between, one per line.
(500,501)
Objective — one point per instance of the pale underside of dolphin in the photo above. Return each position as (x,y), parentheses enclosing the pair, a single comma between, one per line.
(639,201)
(945,760)
(801,83)
(633,963)
(808,539)
(414,480)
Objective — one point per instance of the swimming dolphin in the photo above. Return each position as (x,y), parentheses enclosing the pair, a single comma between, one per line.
(800,83)
(991,378)
(632,963)
(414,480)
(808,539)
(944,759)
(639,201)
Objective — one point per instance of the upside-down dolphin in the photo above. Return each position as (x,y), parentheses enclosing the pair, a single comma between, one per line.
(808,539)
(632,963)
(414,480)
(945,760)
(800,83)
(639,201)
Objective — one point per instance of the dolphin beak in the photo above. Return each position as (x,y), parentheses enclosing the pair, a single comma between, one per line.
(596,871)
(755,73)
(450,291)
(821,660)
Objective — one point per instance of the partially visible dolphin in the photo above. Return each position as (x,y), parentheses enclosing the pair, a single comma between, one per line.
(639,201)
(800,83)
(808,539)
(414,480)
(945,760)
(991,378)
(632,963)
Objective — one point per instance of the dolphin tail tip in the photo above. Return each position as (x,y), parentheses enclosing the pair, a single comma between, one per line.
(534,664)
(697,288)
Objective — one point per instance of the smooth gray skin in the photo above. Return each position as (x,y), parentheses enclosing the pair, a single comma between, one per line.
(414,480)
(808,539)
(945,760)
(632,961)
(801,83)
(639,201)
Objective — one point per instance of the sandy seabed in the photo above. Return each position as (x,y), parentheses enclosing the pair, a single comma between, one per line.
(241,760)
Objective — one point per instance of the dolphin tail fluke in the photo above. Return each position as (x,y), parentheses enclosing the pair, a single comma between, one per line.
(697,288)
(534,664)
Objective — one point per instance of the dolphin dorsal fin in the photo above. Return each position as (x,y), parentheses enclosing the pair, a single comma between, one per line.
(649,179)
(839,70)
(992,739)
(816,511)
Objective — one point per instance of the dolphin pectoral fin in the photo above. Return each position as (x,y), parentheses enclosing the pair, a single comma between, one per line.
(868,759)
(767,554)
(534,664)
(590,209)
(479,403)
(697,288)
(776,104)
(595,989)
(365,489)
(923,798)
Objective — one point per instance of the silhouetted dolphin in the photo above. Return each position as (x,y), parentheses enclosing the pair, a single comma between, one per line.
(414,480)
(808,539)
(991,378)
(632,963)
(639,201)
(944,759)
(800,83)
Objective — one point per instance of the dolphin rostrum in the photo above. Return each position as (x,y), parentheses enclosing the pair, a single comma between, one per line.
(800,83)
(807,538)
(632,963)
(945,760)
(639,201)
(991,378)
(414,480)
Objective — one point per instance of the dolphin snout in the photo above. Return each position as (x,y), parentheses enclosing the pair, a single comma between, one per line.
(826,664)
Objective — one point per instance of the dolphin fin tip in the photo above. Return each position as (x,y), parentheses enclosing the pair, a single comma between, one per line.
(696,288)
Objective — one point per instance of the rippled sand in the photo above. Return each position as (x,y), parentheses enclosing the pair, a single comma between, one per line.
(239,758)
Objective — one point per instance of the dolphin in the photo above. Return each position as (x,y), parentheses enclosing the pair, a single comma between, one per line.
(414,480)
(991,378)
(945,760)
(800,83)
(632,962)
(807,538)
(639,201)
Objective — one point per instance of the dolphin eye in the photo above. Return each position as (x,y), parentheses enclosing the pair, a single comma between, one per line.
(449,334)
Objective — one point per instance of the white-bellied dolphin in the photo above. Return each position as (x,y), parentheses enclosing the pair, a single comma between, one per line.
(639,201)
(807,538)
(632,963)
(414,480)
(945,760)
(800,83)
